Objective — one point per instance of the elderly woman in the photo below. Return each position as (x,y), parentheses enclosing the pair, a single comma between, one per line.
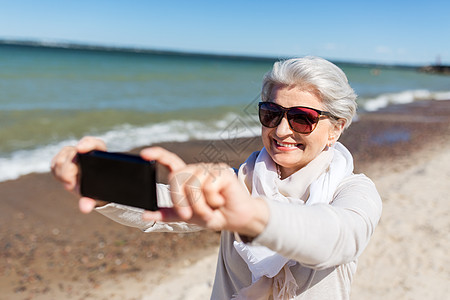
(295,219)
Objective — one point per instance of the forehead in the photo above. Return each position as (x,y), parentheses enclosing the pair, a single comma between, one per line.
(289,96)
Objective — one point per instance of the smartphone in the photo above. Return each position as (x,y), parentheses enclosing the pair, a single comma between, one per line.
(118,177)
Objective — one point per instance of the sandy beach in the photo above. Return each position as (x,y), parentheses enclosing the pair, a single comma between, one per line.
(49,250)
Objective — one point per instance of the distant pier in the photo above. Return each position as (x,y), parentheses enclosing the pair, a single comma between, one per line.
(438,69)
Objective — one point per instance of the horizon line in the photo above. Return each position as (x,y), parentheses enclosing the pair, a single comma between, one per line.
(55,44)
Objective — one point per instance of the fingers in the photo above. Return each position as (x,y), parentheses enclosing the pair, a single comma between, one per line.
(86,205)
(64,168)
(211,196)
(195,191)
(217,184)
(166,158)
(185,191)
(90,143)
(188,203)
(174,164)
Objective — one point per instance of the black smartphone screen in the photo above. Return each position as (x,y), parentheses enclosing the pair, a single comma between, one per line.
(118,177)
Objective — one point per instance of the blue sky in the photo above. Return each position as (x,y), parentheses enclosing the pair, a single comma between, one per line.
(382,31)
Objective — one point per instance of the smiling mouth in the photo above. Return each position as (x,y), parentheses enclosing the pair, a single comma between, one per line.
(286,145)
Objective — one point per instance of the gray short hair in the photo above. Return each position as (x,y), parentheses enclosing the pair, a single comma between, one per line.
(318,76)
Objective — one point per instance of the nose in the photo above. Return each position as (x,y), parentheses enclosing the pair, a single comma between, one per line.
(283,129)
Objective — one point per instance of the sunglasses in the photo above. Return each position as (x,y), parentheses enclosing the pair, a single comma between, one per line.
(301,119)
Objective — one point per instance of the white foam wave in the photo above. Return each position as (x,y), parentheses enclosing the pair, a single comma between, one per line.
(404,97)
(127,137)
(24,162)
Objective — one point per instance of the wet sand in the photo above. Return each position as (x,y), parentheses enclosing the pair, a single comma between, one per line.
(49,250)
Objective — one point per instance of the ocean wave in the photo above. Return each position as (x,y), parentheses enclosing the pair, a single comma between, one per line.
(404,97)
(126,137)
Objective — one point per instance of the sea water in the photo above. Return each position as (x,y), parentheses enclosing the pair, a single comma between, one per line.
(52,96)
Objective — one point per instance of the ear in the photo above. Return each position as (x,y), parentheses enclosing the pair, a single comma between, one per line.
(336,129)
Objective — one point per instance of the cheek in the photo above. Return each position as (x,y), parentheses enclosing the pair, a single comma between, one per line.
(320,137)
(267,138)
(265,134)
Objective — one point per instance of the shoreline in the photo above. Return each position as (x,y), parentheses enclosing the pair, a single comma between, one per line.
(51,250)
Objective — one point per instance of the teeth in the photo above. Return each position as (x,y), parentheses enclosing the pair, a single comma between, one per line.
(286,145)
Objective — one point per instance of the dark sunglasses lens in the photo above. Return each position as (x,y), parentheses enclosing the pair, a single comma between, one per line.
(269,115)
(303,120)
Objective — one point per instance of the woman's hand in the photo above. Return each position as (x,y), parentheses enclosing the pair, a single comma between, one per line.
(209,195)
(64,167)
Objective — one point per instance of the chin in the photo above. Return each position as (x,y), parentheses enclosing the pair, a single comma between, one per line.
(288,160)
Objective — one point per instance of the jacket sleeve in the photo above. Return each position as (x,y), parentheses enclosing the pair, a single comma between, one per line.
(325,235)
(132,216)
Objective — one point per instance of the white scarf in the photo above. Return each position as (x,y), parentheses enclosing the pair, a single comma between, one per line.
(315,183)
